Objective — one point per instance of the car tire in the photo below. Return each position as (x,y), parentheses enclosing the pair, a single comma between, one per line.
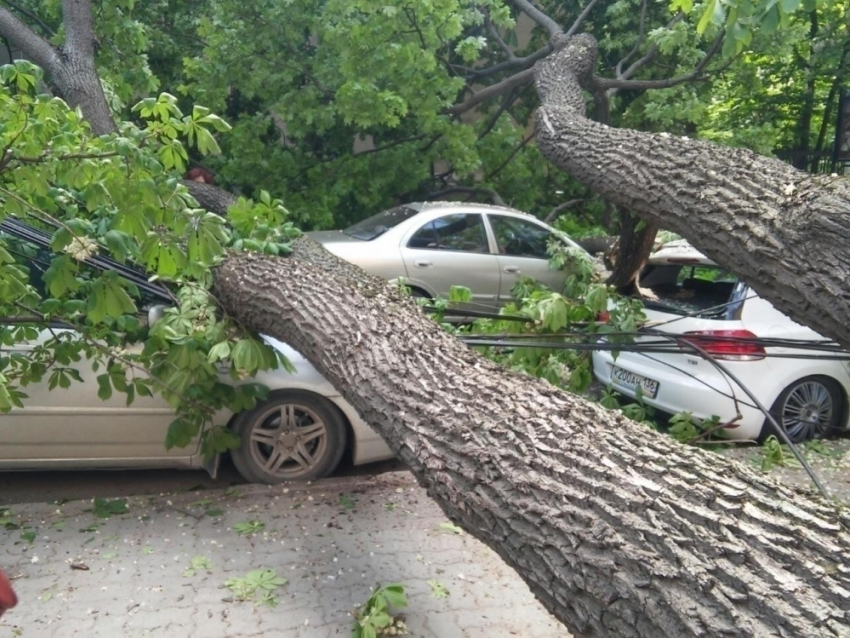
(418,293)
(810,408)
(292,436)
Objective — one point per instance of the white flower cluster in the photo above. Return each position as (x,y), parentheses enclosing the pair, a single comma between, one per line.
(81,248)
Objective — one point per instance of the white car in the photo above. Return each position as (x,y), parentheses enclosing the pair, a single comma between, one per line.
(300,432)
(721,314)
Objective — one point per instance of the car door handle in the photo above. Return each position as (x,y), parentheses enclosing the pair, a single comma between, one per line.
(514,270)
(422,263)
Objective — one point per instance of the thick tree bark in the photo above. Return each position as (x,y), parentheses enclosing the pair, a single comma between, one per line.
(618,530)
(784,231)
(71,67)
(213,198)
(634,246)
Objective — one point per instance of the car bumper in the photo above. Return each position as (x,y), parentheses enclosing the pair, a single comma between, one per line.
(703,394)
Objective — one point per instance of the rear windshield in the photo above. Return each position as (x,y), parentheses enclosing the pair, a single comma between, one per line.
(697,290)
(377,225)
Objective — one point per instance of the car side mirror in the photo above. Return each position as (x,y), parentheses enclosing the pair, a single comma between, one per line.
(155,313)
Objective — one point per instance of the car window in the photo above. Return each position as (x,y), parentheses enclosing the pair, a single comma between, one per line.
(520,238)
(376,225)
(689,288)
(36,260)
(460,232)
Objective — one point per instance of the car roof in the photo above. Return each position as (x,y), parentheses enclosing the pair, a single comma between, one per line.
(679,251)
(484,208)
(42,239)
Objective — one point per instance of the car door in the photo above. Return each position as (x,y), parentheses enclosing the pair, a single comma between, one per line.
(453,250)
(522,246)
(73,427)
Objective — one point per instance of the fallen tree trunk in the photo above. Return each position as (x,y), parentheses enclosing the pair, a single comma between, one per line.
(618,530)
(783,231)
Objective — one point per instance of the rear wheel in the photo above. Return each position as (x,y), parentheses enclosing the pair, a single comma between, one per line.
(292,436)
(810,408)
(418,293)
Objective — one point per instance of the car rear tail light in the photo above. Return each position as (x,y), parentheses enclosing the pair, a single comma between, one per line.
(728,345)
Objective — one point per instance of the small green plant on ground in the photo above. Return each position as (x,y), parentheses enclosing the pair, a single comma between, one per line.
(104,508)
(449,528)
(823,448)
(197,564)
(258,585)
(249,527)
(438,590)
(774,454)
(375,618)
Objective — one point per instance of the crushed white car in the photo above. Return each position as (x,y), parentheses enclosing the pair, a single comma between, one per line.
(713,309)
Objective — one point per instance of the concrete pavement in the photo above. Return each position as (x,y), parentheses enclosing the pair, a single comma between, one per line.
(159,569)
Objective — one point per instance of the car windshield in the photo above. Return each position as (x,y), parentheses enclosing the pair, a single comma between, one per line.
(377,225)
(692,289)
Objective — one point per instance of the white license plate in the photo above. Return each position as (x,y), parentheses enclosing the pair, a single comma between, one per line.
(630,380)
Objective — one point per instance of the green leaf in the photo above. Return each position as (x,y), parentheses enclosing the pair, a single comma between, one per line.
(104,508)
(394,595)
(219,439)
(60,277)
(180,434)
(554,311)
(219,352)
(104,387)
(597,298)
(460,294)
(707,16)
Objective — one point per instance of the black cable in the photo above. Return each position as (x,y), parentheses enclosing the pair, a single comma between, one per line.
(777,429)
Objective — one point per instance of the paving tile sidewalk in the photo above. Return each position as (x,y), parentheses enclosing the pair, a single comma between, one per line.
(333,541)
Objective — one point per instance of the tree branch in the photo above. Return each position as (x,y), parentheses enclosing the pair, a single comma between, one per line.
(494,33)
(560,208)
(507,102)
(638,85)
(508,159)
(580,19)
(642,62)
(494,90)
(25,39)
(524,62)
(618,70)
(539,17)
(31,16)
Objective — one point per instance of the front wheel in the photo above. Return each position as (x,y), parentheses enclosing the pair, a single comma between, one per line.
(292,436)
(810,408)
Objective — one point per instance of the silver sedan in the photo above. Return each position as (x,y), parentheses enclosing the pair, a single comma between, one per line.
(433,246)
(301,431)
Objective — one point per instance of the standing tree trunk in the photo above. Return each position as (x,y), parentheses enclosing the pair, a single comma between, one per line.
(637,236)
(618,530)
